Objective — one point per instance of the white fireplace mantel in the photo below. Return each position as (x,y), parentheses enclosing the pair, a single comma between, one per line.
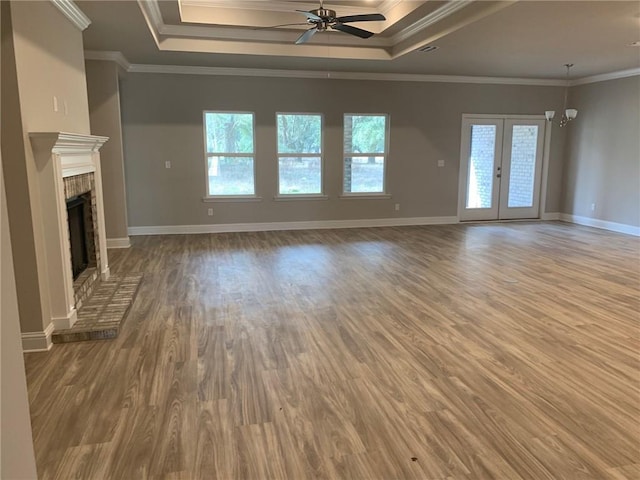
(59,155)
(75,151)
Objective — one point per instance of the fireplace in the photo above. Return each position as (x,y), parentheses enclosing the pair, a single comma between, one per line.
(68,169)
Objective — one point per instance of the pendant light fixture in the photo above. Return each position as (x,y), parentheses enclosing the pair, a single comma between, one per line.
(569,113)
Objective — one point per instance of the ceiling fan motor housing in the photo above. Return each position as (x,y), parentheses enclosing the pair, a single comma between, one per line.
(325,14)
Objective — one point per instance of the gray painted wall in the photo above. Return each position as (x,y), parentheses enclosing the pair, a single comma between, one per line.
(162,120)
(603,152)
(17,459)
(104,112)
(32,311)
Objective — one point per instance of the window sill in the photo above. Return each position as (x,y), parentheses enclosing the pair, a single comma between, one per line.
(293,197)
(365,196)
(232,198)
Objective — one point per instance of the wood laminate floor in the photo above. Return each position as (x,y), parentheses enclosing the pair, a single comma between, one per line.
(500,351)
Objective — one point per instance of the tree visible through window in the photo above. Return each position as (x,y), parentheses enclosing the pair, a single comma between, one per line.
(299,154)
(230,153)
(365,144)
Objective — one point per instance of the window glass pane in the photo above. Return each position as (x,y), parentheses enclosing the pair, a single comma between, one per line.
(300,175)
(229,132)
(524,144)
(299,133)
(481,158)
(364,133)
(364,175)
(231,176)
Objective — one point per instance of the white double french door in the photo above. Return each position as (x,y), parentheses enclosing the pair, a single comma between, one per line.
(500,167)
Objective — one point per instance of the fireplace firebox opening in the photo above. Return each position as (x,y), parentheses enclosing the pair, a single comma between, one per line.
(80,233)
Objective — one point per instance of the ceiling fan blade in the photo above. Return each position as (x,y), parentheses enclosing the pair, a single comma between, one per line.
(358,32)
(306,36)
(310,15)
(369,17)
(277,26)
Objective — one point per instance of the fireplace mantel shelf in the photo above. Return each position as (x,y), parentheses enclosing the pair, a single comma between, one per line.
(64,142)
(75,150)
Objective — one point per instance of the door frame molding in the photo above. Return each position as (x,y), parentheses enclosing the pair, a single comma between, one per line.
(545,156)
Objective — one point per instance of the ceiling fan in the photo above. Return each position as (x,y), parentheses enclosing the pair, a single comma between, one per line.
(323,19)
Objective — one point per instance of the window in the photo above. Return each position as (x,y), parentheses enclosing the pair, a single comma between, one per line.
(299,154)
(230,153)
(365,153)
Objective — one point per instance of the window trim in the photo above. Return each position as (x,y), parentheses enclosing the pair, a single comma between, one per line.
(232,198)
(301,196)
(365,196)
(207,154)
(387,135)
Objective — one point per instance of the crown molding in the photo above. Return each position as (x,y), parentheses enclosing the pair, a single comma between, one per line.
(121,60)
(280,6)
(70,10)
(153,17)
(277,35)
(441,13)
(632,72)
(109,56)
(389,77)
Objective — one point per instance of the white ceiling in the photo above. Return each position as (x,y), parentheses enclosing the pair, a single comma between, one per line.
(531,39)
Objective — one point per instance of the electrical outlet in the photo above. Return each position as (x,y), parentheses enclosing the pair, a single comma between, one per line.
(167,164)
(397,207)
(55,103)
(65,107)
(440,163)
(593,207)
(210,212)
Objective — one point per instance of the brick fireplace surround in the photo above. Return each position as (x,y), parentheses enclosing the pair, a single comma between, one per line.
(65,161)
(85,186)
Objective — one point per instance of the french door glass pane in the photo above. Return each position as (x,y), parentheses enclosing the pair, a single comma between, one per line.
(481,158)
(231,176)
(523,165)
(300,175)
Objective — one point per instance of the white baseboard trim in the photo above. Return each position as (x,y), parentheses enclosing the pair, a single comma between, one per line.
(37,341)
(105,274)
(550,216)
(118,242)
(63,323)
(308,225)
(596,223)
